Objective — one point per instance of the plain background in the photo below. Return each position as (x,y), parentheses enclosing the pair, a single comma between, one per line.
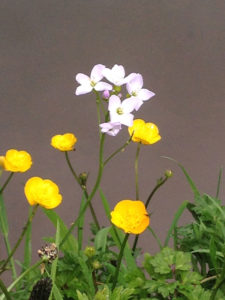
(178,46)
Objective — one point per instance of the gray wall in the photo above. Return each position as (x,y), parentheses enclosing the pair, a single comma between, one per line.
(178,47)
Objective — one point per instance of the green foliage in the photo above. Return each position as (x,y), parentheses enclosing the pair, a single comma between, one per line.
(171,275)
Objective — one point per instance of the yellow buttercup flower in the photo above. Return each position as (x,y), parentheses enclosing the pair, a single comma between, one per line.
(43,192)
(131,216)
(16,161)
(64,142)
(144,133)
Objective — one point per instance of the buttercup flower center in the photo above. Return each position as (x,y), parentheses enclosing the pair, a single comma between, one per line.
(119,111)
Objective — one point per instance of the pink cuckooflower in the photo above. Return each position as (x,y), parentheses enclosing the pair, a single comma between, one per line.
(116,75)
(87,84)
(134,88)
(110,128)
(121,111)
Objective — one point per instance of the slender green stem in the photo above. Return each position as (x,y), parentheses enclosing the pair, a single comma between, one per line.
(136,170)
(4,290)
(208,279)
(96,186)
(98,102)
(6,182)
(158,185)
(122,148)
(119,260)
(83,189)
(30,218)
(219,183)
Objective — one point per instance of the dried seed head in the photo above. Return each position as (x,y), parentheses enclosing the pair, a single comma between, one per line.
(49,251)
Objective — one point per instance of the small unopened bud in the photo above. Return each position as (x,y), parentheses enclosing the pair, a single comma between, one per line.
(168,173)
(96,264)
(89,251)
(106,95)
(83,179)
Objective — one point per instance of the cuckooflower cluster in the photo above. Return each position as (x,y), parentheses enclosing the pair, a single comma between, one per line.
(64,142)
(131,216)
(16,161)
(120,111)
(43,192)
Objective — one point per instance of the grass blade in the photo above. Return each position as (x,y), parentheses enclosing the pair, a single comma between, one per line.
(174,222)
(71,243)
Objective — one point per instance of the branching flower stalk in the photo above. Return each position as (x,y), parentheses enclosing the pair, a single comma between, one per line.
(6,182)
(158,185)
(83,189)
(95,188)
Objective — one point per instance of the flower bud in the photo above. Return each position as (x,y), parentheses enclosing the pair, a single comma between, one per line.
(168,173)
(90,251)
(83,179)
(96,264)
(106,95)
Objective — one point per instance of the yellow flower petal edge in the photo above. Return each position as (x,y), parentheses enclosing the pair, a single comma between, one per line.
(16,161)
(64,142)
(144,133)
(131,216)
(43,192)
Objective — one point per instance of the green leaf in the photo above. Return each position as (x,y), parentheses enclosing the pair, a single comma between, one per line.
(103,293)
(190,181)
(105,204)
(174,222)
(212,252)
(71,243)
(3,218)
(81,296)
(121,293)
(87,273)
(56,293)
(101,238)
(118,236)
(219,183)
